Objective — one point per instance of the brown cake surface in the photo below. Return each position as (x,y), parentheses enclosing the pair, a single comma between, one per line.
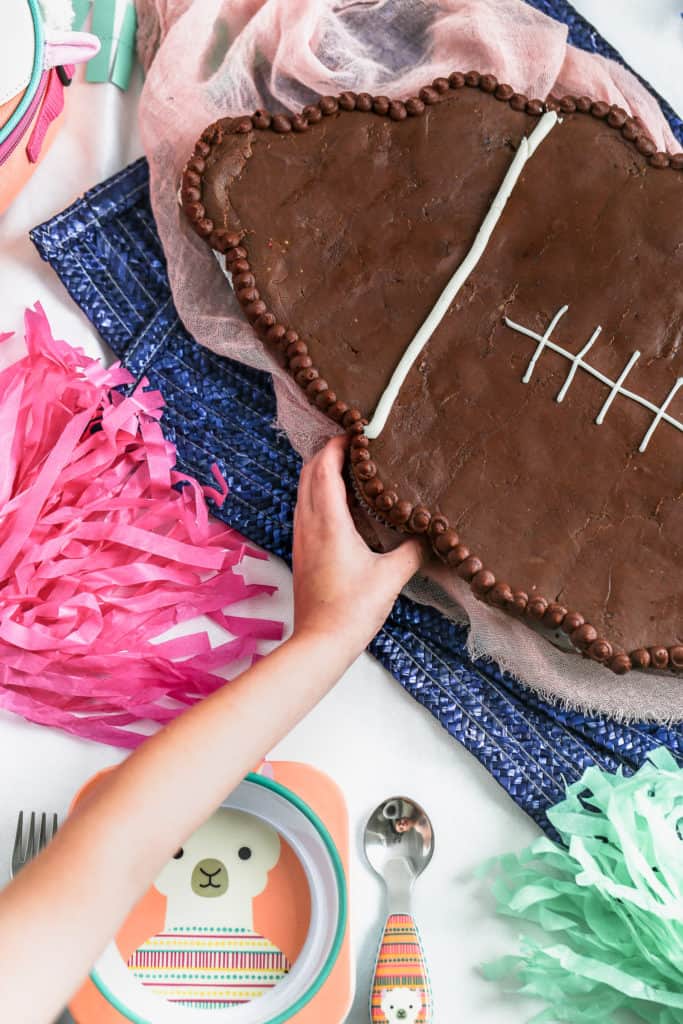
(345,234)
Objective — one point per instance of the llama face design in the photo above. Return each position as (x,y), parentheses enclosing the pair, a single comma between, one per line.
(401,1004)
(208,943)
(225,862)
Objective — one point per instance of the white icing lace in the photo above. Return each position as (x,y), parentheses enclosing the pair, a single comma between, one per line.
(616,386)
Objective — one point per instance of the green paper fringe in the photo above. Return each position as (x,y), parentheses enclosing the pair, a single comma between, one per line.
(611,900)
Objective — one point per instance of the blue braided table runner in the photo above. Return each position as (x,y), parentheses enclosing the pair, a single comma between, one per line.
(106,250)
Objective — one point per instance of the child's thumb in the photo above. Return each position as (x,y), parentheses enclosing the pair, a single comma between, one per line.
(406,559)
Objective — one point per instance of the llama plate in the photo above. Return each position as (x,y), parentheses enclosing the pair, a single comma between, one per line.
(247,924)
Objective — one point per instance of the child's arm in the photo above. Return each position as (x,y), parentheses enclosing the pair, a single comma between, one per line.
(61,911)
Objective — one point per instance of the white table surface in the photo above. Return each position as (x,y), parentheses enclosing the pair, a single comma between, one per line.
(368,734)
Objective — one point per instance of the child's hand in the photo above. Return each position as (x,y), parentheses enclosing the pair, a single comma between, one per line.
(341,588)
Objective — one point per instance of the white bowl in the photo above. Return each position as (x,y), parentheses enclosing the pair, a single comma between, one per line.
(301,828)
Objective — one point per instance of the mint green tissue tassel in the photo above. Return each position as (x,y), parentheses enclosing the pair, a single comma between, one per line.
(610,902)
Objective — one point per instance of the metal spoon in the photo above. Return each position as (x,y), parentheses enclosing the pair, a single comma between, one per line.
(399,843)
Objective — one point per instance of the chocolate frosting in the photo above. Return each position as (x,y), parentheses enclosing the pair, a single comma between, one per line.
(353,226)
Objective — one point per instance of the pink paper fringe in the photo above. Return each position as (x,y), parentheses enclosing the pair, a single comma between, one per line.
(104,546)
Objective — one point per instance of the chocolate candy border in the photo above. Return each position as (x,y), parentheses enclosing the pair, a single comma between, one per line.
(293,351)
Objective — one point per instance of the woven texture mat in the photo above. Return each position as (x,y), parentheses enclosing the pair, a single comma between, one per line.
(106,251)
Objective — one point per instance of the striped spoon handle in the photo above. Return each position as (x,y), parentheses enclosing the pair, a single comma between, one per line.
(400,987)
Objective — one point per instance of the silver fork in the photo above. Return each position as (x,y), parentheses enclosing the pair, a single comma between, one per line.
(28,847)
(25,849)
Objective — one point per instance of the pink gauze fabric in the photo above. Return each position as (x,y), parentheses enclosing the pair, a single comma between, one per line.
(206,59)
(104,546)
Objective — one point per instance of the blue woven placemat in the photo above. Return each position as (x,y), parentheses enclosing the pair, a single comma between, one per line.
(106,250)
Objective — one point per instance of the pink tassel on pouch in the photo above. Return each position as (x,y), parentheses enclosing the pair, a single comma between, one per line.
(104,546)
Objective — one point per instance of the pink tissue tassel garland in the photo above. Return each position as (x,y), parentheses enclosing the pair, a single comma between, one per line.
(101,551)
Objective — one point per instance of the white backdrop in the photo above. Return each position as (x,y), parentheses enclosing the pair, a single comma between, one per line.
(372,738)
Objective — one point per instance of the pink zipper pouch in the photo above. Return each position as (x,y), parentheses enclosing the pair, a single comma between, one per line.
(38,53)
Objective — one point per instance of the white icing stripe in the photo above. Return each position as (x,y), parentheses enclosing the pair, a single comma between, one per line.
(541,345)
(661,415)
(545,341)
(526,149)
(616,387)
(575,365)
